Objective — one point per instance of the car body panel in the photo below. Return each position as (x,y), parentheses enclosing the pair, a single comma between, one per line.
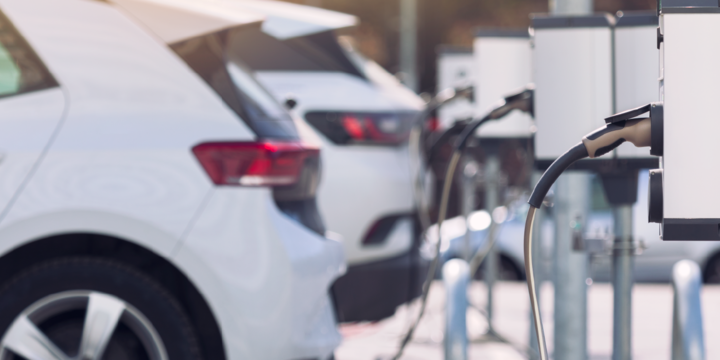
(268,276)
(27,124)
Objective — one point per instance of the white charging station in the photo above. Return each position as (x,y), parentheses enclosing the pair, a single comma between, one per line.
(572,72)
(455,68)
(637,68)
(503,65)
(577,84)
(687,190)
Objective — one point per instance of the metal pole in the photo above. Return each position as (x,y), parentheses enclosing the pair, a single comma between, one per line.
(470,171)
(408,43)
(492,195)
(623,251)
(456,278)
(572,202)
(688,340)
(621,191)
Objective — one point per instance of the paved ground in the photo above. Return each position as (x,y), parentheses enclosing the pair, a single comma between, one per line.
(652,325)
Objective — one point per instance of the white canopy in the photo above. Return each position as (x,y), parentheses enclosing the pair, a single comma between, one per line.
(287,20)
(177,20)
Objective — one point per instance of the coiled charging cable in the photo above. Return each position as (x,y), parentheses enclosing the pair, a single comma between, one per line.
(522,100)
(597,143)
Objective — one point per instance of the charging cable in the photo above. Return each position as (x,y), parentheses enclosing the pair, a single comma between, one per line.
(522,100)
(597,143)
(415,141)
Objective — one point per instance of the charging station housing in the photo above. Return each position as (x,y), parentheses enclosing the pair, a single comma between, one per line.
(637,68)
(575,78)
(455,68)
(689,88)
(503,65)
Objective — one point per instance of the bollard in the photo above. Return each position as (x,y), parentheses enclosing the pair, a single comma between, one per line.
(456,277)
(687,334)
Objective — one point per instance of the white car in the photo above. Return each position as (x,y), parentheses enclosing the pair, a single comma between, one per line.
(153,203)
(361,116)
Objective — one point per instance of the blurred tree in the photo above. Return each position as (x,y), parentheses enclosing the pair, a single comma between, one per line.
(442,22)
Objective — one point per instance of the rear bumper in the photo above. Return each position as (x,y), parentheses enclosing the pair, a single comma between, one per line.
(372,291)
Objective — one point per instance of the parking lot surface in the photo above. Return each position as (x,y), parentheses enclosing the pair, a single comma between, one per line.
(652,325)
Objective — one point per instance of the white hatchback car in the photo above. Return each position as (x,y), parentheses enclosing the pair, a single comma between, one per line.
(154,202)
(361,116)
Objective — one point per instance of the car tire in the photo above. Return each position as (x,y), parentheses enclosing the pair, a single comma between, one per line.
(507,270)
(97,307)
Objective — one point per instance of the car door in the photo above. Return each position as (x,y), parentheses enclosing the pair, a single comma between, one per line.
(31,106)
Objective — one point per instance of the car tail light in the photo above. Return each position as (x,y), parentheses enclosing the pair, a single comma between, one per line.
(363,128)
(433,124)
(254,163)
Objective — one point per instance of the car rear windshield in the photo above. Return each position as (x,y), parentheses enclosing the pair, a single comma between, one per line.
(209,57)
(316,52)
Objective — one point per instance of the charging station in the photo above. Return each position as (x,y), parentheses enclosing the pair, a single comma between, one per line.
(637,68)
(586,68)
(576,85)
(684,193)
(455,69)
(503,65)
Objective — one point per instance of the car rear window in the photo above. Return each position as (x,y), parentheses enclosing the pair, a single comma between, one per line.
(316,52)
(230,78)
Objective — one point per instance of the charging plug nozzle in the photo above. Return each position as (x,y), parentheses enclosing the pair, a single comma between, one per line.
(521,100)
(450,94)
(597,143)
(609,137)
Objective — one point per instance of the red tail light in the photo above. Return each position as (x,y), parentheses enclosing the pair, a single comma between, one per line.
(254,163)
(363,128)
(433,124)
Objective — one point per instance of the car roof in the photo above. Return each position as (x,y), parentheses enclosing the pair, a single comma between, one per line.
(287,20)
(177,20)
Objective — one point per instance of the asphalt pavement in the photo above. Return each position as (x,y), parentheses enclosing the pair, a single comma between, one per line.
(652,325)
